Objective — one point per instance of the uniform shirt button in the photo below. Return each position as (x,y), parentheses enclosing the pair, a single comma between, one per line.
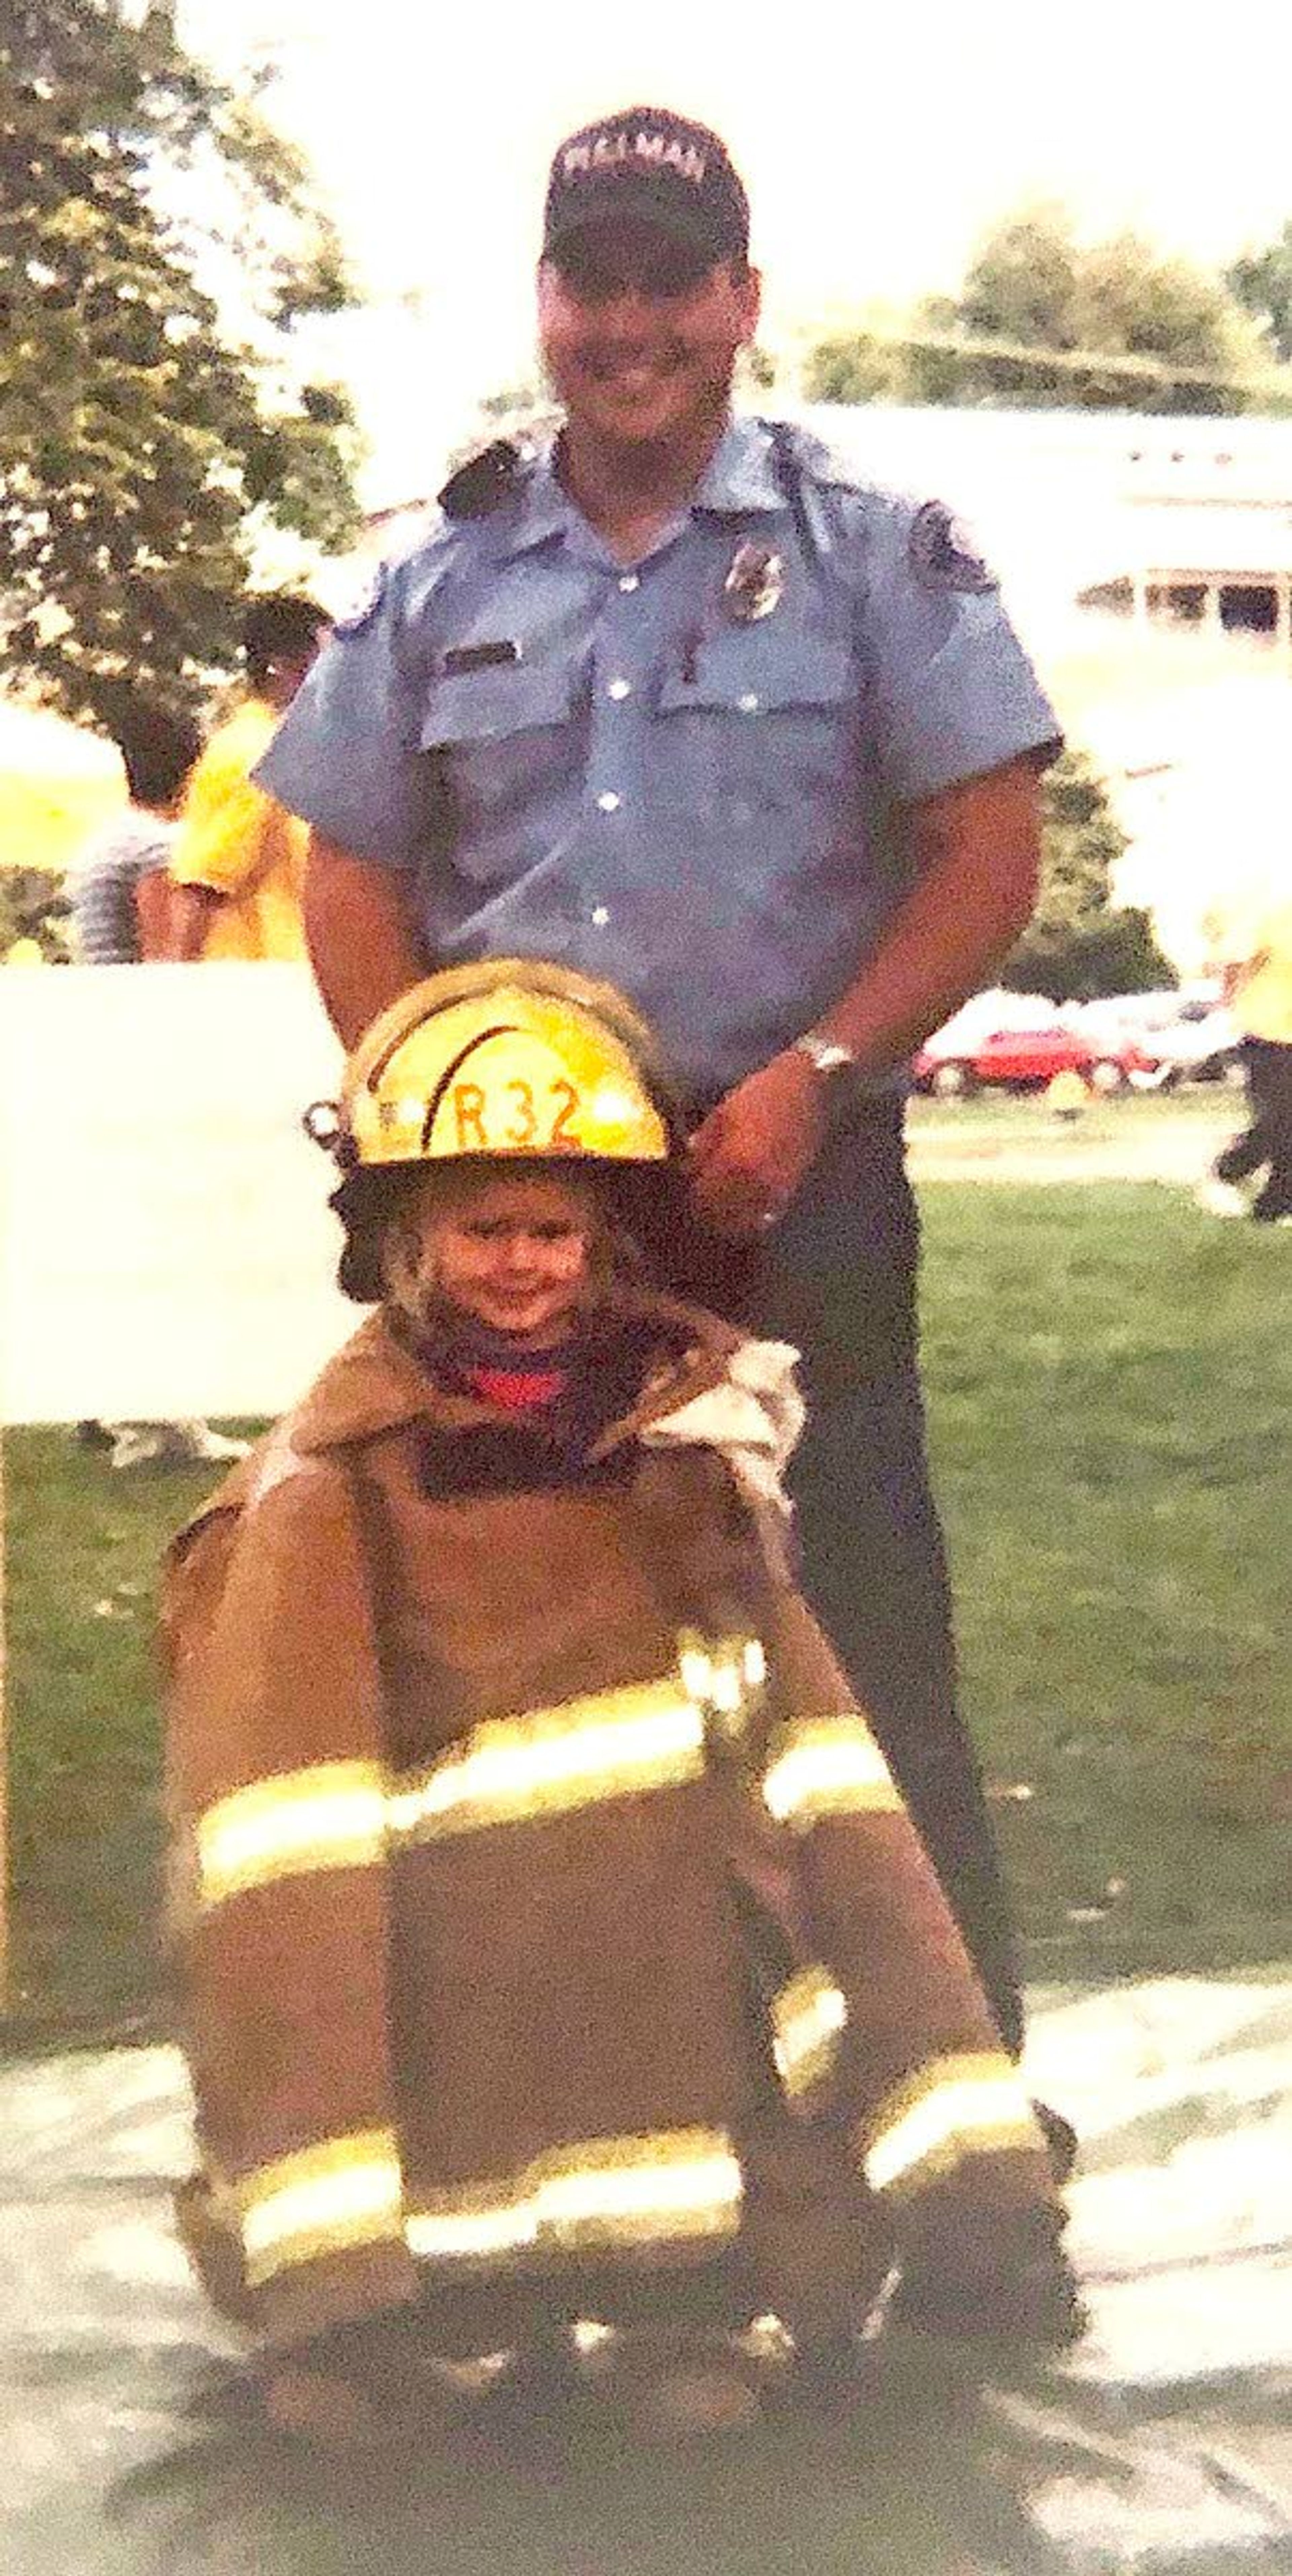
(748,704)
(608,801)
(620,689)
(600,915)
(630,581)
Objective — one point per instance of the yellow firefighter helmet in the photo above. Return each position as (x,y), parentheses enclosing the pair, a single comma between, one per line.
(507,1057)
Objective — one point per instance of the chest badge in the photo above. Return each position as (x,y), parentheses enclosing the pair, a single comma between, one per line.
(754,584)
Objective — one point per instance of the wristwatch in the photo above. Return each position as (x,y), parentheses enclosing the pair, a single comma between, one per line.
(827,1056)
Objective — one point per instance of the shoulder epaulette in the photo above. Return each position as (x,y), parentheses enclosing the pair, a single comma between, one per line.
(485,481)
(809,457)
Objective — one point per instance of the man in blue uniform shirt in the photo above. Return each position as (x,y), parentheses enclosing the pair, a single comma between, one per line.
(681,703)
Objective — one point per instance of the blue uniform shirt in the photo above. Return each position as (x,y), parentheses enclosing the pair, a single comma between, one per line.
(626,771)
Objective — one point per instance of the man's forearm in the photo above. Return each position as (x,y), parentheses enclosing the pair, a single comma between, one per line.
(190,913)
(361,940)
(154,908)
(977,848)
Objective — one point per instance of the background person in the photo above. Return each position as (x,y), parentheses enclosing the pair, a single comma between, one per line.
(118,887)
(238,864)
(1252,944)
(120,917)
(681,701)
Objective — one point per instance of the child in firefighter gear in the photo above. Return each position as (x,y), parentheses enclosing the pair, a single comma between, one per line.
(556,1945)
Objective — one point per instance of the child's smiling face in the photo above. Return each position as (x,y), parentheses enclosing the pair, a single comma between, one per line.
(509,1250)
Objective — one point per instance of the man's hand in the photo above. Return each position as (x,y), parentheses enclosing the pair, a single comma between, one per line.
(758,1145)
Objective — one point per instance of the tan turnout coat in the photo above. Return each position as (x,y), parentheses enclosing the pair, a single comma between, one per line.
(552,1930)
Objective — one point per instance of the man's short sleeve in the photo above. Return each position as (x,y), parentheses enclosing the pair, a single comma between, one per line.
(953,694)
(347,756)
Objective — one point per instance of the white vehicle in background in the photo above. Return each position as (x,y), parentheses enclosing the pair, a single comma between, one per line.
(1184,1036)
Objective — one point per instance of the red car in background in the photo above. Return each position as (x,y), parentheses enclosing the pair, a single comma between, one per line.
(967,1054)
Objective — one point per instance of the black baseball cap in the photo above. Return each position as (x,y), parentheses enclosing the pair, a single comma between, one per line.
(648,165)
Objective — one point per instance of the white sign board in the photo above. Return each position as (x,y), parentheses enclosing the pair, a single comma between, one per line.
(167,1244)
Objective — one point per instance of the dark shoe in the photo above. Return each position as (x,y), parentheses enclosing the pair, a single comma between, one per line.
(1017,2294)
(830,2380)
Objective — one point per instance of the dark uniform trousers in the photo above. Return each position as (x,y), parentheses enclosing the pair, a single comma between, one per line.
(837,1277)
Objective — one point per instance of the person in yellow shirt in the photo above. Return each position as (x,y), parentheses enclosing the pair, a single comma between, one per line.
(238,866)
(1252,946)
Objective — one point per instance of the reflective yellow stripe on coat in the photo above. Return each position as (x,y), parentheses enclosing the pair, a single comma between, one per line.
(670,2188)
(324,2200)
(827,1766)
(511,1769)
(508,1770)
(673,2187)
(332,1815)
(809,2017)
(954,2108)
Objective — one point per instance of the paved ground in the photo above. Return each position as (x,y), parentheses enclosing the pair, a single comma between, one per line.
(128,2445)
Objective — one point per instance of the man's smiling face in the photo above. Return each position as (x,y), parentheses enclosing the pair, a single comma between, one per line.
(640,332)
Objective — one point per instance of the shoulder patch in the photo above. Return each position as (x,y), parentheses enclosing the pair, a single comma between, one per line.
(363,606)
(944,553)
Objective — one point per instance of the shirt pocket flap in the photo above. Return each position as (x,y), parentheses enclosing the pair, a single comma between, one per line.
(496,700)
(748,671)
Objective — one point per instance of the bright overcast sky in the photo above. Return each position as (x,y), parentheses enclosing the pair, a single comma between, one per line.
(876,151)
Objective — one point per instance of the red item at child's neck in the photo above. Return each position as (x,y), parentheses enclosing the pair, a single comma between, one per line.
(517,1390)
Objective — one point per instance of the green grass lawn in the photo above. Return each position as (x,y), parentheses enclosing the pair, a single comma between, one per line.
(1109,1377)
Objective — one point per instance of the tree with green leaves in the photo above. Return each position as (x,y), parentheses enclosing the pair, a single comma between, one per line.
(857,367)
(1043,322)
(35,906)
(1262,282)
(159,244)
(1079,944)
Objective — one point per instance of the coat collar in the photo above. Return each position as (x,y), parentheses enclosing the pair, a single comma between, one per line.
(375,1385)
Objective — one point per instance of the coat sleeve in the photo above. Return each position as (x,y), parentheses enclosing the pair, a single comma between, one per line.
(877,2020)
(888,2025)
(277,1800)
